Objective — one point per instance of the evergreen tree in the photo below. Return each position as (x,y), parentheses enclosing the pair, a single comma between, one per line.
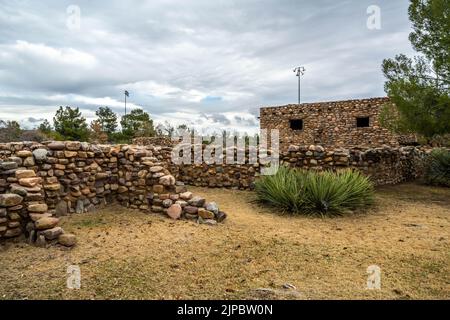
(419,87)
(70,124)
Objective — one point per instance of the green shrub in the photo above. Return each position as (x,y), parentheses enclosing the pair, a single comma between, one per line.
(300,191)
(283,190)
(437,170)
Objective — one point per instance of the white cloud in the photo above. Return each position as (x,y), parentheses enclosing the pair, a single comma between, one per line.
(42,52)
(182,60)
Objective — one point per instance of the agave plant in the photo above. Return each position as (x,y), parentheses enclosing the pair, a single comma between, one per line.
(283,190)
(300,191)
(438,168)
(335,192)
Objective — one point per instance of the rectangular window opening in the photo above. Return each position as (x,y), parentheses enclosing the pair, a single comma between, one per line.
(362,122)
(296,124)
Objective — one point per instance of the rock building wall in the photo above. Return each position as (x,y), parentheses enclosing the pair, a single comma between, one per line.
(385,165)
(41,182)
(333,124)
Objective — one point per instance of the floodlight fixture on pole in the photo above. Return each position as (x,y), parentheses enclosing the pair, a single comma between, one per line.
(127,94)
(299,72)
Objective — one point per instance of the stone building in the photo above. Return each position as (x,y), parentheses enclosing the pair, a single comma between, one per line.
(334,124)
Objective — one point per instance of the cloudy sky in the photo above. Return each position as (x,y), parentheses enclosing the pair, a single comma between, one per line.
(208,63)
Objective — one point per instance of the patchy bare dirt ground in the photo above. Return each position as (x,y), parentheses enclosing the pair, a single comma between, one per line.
(127,254)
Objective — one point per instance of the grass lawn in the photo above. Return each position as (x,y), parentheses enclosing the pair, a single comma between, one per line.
(127,254)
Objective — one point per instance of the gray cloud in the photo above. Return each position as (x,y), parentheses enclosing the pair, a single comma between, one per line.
(182,60)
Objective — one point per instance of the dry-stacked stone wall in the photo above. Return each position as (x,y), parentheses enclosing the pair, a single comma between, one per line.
(39,182)
(155,141)
(385,165)
(346,123)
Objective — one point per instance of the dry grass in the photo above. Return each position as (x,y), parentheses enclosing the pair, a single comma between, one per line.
(126,254)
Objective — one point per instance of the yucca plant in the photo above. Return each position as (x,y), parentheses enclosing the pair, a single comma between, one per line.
(311,192)
(283,190)
(437,170)
(334,192)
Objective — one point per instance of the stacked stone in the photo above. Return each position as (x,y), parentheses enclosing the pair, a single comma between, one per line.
(24,208)
(14,198)
(154,141)
(145,183)
(385,165)
(332,124)
(41,181)
(78,176)
(226,173)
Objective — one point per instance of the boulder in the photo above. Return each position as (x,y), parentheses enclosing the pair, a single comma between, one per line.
(52,186)
(8,165)
(24,153)
(73,145)
(174,211)
(197,201)
(157,188)
(167,203)
(46,223)
(157,209)
(20,174)
(155,169)
(10,199)
(21,191)
(13,233)
(30,182)
(212,206)
(180,189)
(40,155)
(36,216)
(52,233)
(167,180)
(67,239)
(182,203)
(186,195)
(61,208)
(205,214)
(101,175)
(221,216)
(70,154)
(190,209)
(29,162)
(56,145)
(38,207)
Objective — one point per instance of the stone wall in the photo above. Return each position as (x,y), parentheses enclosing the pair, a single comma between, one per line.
(40,182)
(332,124)
(154,141)
(385,165)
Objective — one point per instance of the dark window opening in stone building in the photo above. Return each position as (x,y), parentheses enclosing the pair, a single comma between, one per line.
(296,124)
(362,122)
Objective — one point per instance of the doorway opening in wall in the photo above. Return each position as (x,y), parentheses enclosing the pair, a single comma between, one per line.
(362,122)
(296,124)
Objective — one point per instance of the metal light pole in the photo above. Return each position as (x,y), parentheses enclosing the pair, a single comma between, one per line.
(299,72)
(127,94)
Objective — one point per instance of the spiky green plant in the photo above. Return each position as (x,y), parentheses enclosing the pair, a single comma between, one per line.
(437,170)
(300,191)
(283,190)
(335,192)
